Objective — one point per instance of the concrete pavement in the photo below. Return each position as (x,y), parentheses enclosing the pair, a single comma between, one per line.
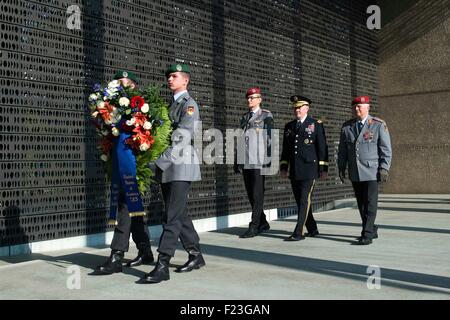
(412,254)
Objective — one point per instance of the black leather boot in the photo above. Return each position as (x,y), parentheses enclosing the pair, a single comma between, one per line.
(250,233)
(160,272)
(195,261)
(263,226)
(145,256)
(112,265)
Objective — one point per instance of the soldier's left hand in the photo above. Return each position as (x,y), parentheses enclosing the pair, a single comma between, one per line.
(383,175)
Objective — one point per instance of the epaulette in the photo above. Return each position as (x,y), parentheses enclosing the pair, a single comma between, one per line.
(319,121)
(264,110)
(378,119)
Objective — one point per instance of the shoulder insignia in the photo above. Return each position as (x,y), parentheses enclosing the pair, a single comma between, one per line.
(190,110)
(319,121)
(378,119)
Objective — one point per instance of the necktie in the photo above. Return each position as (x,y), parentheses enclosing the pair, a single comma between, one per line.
(299,124)
(360,125)
(251,114)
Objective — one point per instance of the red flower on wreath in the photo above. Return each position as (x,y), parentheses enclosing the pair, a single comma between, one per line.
(140,118)
(137,102)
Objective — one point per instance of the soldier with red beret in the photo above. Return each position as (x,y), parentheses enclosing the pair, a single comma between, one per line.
(257,124)
(365,149)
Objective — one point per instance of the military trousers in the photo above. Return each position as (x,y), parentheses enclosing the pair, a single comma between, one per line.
(302,190)
(176,222)
(126,225)
(254,185)
(366,193)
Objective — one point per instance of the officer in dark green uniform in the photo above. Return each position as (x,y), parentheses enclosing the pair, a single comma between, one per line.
(305,154)
(126,224)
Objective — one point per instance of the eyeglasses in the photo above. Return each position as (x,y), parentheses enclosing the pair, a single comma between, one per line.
(253,97)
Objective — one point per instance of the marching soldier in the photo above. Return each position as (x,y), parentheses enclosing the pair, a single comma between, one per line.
(176,168)
(305,154)
(365,148)
(257,124)
(126,224)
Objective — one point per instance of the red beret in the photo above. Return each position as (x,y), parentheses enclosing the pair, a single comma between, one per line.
(361,100)
(252,91)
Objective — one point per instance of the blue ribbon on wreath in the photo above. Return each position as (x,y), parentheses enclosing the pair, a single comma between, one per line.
(123,179)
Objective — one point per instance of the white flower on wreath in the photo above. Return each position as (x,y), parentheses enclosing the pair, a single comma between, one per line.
(147,125)
(100,105)
(104,157)
(145,108)
(131,122)
(124,102)
(94,114)
(114,84)
(93,97)
(115,132)
(144,147)
(111,93)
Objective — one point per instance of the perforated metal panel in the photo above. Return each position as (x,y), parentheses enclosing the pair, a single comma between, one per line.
(52,183)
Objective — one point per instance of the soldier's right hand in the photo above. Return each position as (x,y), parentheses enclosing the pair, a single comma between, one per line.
(342,176)
(152,166)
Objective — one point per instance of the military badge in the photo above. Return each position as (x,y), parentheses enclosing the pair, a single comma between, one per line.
(190,110)
(310,129)
(366,135)
(125,74)
(306,141)
(179,67)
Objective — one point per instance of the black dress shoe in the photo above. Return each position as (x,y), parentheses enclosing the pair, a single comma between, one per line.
(375,236)
(250,233)
(112,265)
(194,262)
(159,274)
(263,227)
(294,237)
(364,241)
(312,234)
(142,258)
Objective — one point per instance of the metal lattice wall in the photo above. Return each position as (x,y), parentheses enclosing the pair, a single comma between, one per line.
(52,182)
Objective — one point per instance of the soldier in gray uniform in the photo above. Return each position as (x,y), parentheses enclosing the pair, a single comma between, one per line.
(254,154)
(365,148)
(125,224)
(176,168)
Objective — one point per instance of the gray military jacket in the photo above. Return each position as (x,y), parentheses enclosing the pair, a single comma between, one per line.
(180,161)
(254,147)
(367,152)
